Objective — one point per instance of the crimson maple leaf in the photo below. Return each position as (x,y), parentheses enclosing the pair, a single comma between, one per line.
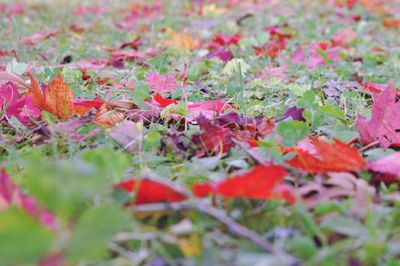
(332,157)
(263,182)
(150,191)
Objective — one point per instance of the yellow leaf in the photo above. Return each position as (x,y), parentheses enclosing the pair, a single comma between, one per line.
(190,246)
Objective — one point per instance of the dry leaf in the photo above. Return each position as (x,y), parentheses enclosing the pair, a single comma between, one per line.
(183,42)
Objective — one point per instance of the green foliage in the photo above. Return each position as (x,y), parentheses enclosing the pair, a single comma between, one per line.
(22,239)
(292,131)
(93,232)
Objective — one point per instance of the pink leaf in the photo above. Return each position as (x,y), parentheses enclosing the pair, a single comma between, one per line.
(12,105)
(208,109)
(387,165)
(298,57)
(384,123)
(10,194)
(162,83)
(38,37)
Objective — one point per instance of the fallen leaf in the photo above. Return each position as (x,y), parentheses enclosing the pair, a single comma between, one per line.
(384,125)
(208,109)
(161,83)
(183,42)
(332,157)
(106,117)
(38,37)
(336,187)
(59,99)
(13,105)
(7,76)
(213,140)
(129,135)
(11,195)
(163,102)
(262,182)
(387,165)
(150,191)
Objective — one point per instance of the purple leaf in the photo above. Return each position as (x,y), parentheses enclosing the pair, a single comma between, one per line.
(293,112)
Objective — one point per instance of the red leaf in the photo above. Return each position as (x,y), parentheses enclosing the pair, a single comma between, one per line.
(215,139)
(372,87)
(332,157)
(150,191)
(262,182)
(163,102)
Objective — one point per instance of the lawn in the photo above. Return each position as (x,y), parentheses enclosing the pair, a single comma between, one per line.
(202,132)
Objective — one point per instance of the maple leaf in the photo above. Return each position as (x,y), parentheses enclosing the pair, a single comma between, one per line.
(163,102)
(219,46)
(214,139)
(106,117)
(387,165)
(276,33)
(271,49)
(262,182)
(271,72)
(384,124)
(221,40)
(333,187)
(183,42)
(372,87)
(11,104)
(332,157)
(10,195)
(150,191)
(208,109)
(293,113)
(59,99)
(161,83)
(318,60)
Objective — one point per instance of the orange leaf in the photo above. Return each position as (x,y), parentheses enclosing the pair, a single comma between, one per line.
(183,41)
(108,118)
(332,157)
(38,98)
(391,22)
(59,99)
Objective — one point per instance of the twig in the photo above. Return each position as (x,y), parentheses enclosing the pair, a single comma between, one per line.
(234,227)
(367,147)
